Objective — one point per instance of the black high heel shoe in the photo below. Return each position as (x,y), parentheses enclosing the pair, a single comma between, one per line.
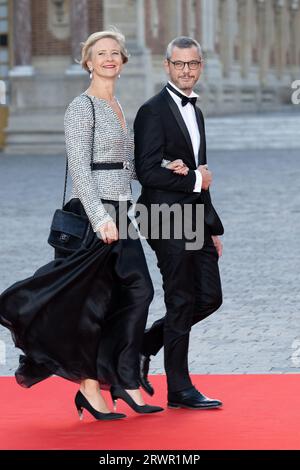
(82,403)
(118,392)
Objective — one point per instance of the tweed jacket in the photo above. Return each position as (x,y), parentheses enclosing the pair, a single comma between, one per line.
(112,143)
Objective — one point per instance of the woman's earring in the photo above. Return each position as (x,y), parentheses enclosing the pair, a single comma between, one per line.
(119,76)
(91,74)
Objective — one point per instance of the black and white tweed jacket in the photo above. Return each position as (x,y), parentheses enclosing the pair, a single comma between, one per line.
(112,144)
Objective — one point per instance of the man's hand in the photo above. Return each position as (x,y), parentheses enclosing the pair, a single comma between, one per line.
(109,232)
(206,176)
(217,242)
(178,167)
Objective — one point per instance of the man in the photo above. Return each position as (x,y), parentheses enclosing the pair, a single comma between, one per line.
(169,127)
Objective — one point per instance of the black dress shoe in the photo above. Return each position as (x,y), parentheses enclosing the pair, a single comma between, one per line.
(144,370)
(192,399)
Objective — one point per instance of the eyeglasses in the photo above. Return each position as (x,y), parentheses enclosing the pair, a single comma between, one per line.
(192,65)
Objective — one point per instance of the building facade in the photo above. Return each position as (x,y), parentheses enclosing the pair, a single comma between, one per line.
(251,50)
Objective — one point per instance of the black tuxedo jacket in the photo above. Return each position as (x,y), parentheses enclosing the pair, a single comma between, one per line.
(160,132)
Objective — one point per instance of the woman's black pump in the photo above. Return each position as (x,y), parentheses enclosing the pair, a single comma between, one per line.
(118,392)
(82,403)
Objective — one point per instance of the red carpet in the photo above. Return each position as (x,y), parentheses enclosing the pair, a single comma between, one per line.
(260,412)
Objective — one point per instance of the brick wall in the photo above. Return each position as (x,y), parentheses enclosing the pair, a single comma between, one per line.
(44,43)
(95,15)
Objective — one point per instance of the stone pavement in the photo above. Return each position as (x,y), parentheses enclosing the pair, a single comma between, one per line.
(257,192)
(274,130)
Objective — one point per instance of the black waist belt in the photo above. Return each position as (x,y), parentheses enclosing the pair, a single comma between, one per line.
(109,166)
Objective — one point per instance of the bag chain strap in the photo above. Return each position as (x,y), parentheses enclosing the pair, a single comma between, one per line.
(92,156)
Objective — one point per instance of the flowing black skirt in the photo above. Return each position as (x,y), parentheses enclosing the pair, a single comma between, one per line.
(82,316)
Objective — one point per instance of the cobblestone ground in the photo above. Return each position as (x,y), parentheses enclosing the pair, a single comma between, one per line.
(257,329)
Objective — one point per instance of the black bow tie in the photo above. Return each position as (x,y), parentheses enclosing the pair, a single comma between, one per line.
(184,99)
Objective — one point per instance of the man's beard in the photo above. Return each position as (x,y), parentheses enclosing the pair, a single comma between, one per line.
(184,86)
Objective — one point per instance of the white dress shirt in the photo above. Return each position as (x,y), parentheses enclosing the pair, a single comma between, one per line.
(189,116)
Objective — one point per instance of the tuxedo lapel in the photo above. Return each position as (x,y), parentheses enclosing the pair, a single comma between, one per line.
(180,121)
(202,148)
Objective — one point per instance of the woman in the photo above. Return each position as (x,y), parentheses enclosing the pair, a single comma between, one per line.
(83,316)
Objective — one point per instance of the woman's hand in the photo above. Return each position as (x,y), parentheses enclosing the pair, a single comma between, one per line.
(109,232)
(178,167)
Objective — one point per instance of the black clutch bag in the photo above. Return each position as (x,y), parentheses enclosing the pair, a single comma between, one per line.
(70,231)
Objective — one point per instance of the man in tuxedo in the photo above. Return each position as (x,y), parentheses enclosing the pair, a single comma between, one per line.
(169,127)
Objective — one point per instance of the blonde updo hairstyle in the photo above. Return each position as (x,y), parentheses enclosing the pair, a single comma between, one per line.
(93,38)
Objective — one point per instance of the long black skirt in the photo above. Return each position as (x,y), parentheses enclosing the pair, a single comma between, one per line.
(82,316)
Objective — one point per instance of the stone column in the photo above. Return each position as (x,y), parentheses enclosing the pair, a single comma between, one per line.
(22,38)
(226,35)
(246,36)
(198,20)
(79,32)
(279,35)
(294,8)
(263,39)
(213,67)
(208,26)
(210,85)
(140,23)
(178,18)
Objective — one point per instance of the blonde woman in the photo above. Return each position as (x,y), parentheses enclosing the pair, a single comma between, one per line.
(85,314)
